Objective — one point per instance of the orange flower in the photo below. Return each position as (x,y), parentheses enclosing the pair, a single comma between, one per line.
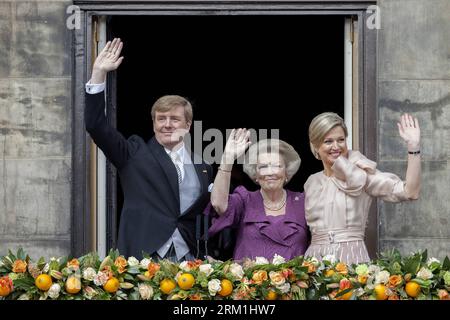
(259,276)
(121,264)
(443,294)
(152,268)
(341,268)
(74,264)
(19,266)
(6,286)
(345,284)
(395,280)
(311,267)
(109,273)
(195,296)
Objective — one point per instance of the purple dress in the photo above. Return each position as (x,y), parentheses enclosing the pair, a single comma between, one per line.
(260,235)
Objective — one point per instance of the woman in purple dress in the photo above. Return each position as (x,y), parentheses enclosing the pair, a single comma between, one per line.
(270,220)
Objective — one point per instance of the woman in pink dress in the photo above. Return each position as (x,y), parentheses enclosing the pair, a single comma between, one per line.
(337,199)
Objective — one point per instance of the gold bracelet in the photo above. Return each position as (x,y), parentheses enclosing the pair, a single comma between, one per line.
(223,170)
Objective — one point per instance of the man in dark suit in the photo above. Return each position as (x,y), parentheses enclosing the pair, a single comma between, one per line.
(164,186)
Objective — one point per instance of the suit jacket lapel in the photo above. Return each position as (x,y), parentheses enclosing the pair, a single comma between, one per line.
(167,166)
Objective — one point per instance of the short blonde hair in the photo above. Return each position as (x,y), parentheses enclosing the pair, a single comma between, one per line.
(286,151)
(319,128)
(167,103)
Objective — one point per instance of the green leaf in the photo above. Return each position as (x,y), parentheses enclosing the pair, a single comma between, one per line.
(425,256)
(446,264)
(412,264)
(128,277)
(134,296)
(26,283)
(63,262)
(133,270)
(41,263)
(21,254)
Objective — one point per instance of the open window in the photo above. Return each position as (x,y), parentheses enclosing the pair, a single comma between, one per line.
(256,70)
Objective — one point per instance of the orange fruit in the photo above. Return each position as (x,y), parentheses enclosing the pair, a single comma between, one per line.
(73,285)
(380,292)
(271,295)
(412,289)
(345,296)
(167,285)
(112,285)
(186,281)
(227,288)
(43,282)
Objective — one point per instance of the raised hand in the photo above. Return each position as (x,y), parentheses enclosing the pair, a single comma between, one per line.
(409,130)
(109,59)
(237,143)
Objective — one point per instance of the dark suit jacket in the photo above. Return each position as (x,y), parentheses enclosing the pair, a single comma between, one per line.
(151,209)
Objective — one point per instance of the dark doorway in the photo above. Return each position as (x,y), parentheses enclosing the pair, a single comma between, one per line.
(261,72)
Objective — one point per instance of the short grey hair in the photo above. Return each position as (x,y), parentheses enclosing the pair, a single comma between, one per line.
(319,128)
(286,151)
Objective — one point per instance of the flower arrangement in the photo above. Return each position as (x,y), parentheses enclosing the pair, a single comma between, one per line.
(391,277)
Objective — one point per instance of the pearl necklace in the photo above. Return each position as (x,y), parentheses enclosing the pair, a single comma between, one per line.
(279,206)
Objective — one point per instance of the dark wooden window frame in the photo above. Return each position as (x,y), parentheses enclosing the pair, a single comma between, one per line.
(81,237)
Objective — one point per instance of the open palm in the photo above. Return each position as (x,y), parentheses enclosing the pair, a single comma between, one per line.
(236,145)
(409,130)
(109,58)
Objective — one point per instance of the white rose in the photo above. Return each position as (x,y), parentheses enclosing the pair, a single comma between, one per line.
(284,288)
(370,283)
(46,268)
(133,262)
(24,297)
(261,260)
(89,292)
(146,291)
(145,262)
(277,259)
(373,269)
(382,277)
(184,266)
(89,274)
(424,273)
(237,271)
(431,260)
(214,286)
(206,269)
(314,261)
(276,278)
(330,257)
(54,291)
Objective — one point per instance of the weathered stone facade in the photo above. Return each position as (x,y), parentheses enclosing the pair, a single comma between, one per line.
(414,76)
(35,126)
(35,123)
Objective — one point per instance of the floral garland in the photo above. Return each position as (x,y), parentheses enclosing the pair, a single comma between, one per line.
(391,277)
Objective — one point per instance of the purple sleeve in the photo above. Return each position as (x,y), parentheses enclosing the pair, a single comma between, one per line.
(232,216)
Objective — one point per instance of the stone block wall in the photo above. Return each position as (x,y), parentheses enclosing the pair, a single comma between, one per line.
(35,127)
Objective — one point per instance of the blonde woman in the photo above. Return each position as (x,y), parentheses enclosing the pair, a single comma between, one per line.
(337,199)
